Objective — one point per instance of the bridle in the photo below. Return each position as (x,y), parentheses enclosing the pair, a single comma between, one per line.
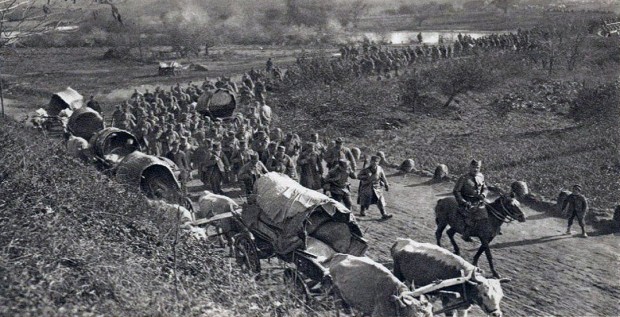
(504,215)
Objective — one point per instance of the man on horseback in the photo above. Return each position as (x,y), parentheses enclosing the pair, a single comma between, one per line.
(470,192)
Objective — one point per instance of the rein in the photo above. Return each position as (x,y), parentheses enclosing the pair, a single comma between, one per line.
(505,215)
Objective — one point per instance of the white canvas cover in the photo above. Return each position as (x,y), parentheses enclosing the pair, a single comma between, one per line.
(280,198)
(71,97)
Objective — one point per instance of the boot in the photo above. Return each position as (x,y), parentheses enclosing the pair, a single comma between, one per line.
(385,215)
(568,231)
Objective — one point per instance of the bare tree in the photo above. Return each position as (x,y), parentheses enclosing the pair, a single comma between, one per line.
(20,19)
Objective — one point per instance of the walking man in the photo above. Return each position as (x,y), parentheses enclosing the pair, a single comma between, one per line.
(576,205)
(337,182)
(372,181)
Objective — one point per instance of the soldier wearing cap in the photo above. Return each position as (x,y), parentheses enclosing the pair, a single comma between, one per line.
(337,152)
(240,157)
(576,205)
(282,163)
(251,171)
(337,182)
(470,191)
(372,181)
(181,160)
(319,146)
(311,166)
(260,143)
(215,168)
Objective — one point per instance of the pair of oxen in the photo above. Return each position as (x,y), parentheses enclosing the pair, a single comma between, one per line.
(438,274)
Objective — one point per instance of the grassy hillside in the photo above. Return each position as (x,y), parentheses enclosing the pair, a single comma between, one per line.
(76,243)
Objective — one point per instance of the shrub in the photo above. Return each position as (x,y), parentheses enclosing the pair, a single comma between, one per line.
(597,103)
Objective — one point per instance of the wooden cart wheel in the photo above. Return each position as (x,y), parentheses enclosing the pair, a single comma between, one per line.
(293,278)
(246,253)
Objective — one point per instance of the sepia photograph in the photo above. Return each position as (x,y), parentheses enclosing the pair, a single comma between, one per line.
(323,158)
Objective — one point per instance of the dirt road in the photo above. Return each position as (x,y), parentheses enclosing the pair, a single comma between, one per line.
(552,274)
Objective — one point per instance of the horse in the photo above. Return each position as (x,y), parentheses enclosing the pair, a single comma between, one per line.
(504,209)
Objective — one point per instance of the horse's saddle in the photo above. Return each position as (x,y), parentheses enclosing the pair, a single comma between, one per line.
(474,213)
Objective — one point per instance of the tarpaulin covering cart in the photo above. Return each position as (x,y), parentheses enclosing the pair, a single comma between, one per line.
(301,226)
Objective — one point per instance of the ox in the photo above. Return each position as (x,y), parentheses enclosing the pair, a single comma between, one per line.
(210,205)
(371,288)
(425,263)
(78,148)
(185,216)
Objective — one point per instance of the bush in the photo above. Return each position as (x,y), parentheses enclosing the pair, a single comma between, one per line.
(597,103)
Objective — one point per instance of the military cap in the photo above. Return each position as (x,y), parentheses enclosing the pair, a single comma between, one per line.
(339,140)
(577,186)
(375,158)
(475,163)
(281,148)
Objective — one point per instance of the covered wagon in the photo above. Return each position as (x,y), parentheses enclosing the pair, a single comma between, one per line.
(66,99)
(217,103)
(118,152)
(85,122)
(155,176)
(110,145)
(170,69)
(298,225)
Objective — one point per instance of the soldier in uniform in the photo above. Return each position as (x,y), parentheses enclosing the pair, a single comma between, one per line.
(215,168)
(251,171)
(576,205)
(470,192)
(311,166)
(337,182)
(240,157)
(180,159)
(282,163)
(339,152)
(372,181)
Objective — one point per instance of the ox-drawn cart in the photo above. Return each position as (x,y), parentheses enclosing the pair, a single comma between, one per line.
(298,225)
